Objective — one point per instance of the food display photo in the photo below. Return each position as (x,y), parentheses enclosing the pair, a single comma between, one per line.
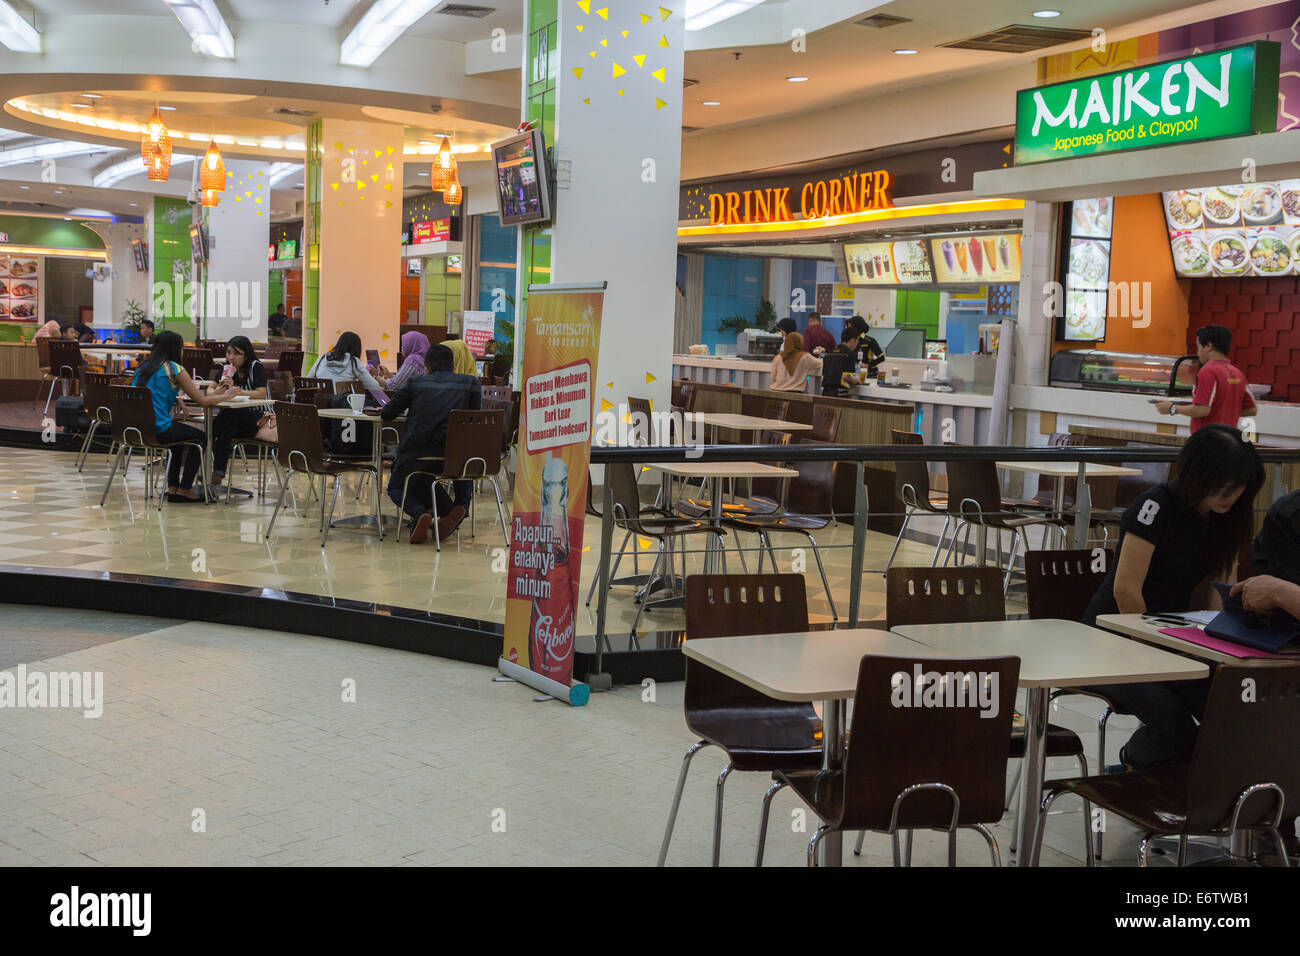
(1242,229)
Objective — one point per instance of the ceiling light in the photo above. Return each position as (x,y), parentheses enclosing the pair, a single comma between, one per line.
(279,172)
(796,79)
(16,33)
(212,173)
(905,52)
(382,24)
(300,185)
(426,142)
(705,13)
(82,106)
(54,149)
(205,25)
(92,96)
(133,204)
(422,174)
(710,103)
(1047,14)
(170,109)
(24,187)
(156,149)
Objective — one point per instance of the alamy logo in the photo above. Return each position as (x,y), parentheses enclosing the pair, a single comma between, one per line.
(74,908)
(76,690)
(945,689)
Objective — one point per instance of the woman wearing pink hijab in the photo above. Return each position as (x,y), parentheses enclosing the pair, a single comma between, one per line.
(50,330)
(414,345)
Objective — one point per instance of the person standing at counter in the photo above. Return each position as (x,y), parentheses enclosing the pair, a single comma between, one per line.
(872,354)
(786,326)
(817,339)
(1221,395)
(792,367)
(844,356)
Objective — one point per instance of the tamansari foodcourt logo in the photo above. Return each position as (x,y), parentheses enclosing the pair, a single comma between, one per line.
(568,333)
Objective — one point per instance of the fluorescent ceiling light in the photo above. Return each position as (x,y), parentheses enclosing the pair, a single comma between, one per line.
(796,79)
(82,213)
(16,33)
(375,32)
(1047,14)
(53,149)
(905,52)
(205,25)
(705,13)
(282,171)
(92,96)
(114,174)
(170,109)
(710,103)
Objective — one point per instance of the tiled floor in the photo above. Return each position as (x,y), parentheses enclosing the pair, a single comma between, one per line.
(50,517)
(250,727)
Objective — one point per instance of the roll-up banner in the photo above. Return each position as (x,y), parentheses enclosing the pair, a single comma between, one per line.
(561,343)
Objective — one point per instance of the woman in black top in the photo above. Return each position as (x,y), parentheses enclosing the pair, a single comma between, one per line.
(1175,539)
(249,379)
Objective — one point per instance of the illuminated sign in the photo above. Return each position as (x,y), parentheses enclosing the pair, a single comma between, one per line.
(1209,96)
(436,230)
(856,192)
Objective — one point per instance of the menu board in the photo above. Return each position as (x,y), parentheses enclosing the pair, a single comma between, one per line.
(1087,276)
(433,230)
(906,262)
(20,299)
(977,259)
(1243,229)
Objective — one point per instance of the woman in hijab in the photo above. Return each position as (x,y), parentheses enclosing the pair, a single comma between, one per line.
(792,367)
(414,345)
(50,330)
(462,358)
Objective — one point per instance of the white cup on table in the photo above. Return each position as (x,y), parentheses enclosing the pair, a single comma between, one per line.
(356,401)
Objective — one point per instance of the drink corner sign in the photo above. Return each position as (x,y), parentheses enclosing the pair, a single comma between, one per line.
(1231,92)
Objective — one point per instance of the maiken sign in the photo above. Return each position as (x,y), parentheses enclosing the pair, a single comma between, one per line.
(1229,92)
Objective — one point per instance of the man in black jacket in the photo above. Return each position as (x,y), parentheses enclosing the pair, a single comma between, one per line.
(428,401)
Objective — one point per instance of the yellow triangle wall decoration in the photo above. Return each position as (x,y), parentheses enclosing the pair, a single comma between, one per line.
(577,71)
(618,71)
(579,27)
(619,92)
(604,42)
(648,379)
(606,404)
(603,13)
(587,101)
(624,32)
(664,14)
(584,6)
(640,59)
(663,41)
(659,74)
(659,104)
(645,18)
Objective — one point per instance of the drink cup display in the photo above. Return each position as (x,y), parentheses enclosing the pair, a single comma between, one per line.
(356,402)
(977,256)
(960,249)
(990,254)
(947,255)
(1004,251)
(871,269)
(862,376)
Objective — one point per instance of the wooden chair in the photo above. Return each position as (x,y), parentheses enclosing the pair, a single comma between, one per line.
(197,361)
(757,733)
(132,420)
(498,392)
(65,367)
(825,422)
(291,361)
(95,387)
(301,449)
(776,410)
(912,488)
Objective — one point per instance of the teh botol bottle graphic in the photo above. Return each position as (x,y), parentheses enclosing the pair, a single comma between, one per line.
(550,634)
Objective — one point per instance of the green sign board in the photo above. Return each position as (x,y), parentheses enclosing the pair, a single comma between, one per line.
(1229,92)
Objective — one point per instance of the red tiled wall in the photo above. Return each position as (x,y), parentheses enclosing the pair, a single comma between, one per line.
(1264,315)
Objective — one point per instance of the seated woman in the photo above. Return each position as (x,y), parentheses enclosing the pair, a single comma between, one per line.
(343,364)
(50,330)
(414,347)
(1175,539)
(249,379)
(162,374)
(792,367)
(462,358)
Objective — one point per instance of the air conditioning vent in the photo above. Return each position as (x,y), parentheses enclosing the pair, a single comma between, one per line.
(1019,38)
(465,10)
(881,20)
(287,111)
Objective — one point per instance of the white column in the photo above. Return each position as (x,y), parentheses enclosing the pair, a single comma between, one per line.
(239,231)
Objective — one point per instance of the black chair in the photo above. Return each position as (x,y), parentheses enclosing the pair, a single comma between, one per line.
(1243,775)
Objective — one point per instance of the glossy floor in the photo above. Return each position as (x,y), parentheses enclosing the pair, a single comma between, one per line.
(50,517)
(220,745)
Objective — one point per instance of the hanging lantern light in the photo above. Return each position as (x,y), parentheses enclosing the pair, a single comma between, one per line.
(156,149)
(453,194)
(210,197)
(212,174)
(443,163)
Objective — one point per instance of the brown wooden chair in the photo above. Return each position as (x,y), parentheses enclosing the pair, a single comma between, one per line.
(43,361)
(825,422)
(350,387)
(912,488)
(642,422)
(291,362)
(776,410)
(95,387)
(131,418)
(808,507)
(757,733)
(499,392)
(957,595)
(909,768)
(65,367)
(472,452)
(1244,773)
(197,361)
(301,449)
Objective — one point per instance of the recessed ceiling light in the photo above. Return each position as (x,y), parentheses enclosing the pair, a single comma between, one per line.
(300,184)
(796,79)
(81,106)
(92,96)
(134,204)
(170,109)
(1047,14)
(24,187)
(426,142)
(905,52)
(710,103)
(423,174)
(58,192)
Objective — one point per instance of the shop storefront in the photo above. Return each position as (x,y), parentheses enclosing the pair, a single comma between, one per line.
(46,268)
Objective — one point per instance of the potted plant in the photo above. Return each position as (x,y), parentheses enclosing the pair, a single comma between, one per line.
(132,316)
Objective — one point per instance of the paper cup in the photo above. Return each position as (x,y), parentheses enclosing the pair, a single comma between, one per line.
(356,402)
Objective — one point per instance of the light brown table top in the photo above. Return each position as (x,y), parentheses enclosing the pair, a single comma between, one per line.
(814,665)
(1058,653)
(1068,469)
(1135,626)
(751,423)
(723,469)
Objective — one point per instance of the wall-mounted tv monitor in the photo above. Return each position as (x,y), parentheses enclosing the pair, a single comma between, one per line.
(523,180)
(140,249)
(199,243)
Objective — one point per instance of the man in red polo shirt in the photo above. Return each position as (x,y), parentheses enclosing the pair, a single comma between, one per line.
(817,336)
(1221,395)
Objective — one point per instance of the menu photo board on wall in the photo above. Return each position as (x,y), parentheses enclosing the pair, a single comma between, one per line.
(963,260)
(20,288)
(1087,278)
(1241,229)
(905,262)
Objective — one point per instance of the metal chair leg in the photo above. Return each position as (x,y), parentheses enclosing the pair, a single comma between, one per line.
(85,445)
(985,832)
(167,467)
(379,509)
(677,798)
(1087,816)
(1101,760)
(947,519)
(501,509)
(334,498)
(762,822)
(641,606)
(812,844)
(717,812)
(825,584)
(612,571)
(117,462)
(857,847)
(1143,848)
(284,490)
(899,540)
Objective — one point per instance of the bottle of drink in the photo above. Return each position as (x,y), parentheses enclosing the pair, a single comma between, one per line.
(551,629)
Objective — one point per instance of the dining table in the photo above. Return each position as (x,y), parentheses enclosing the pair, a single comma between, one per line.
(1053,653)
(1061,470)
(378,519)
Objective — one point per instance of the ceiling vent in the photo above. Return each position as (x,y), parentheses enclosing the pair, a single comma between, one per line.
(1019,38)
(881,20)
(465,10)
(287,111)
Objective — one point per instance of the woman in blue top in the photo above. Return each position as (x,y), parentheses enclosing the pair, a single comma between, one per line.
(162,374)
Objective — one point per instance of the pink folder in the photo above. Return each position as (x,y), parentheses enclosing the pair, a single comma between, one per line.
(1194,635)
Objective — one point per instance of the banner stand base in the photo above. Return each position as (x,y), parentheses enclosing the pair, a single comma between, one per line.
(600,681)
(575,694)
